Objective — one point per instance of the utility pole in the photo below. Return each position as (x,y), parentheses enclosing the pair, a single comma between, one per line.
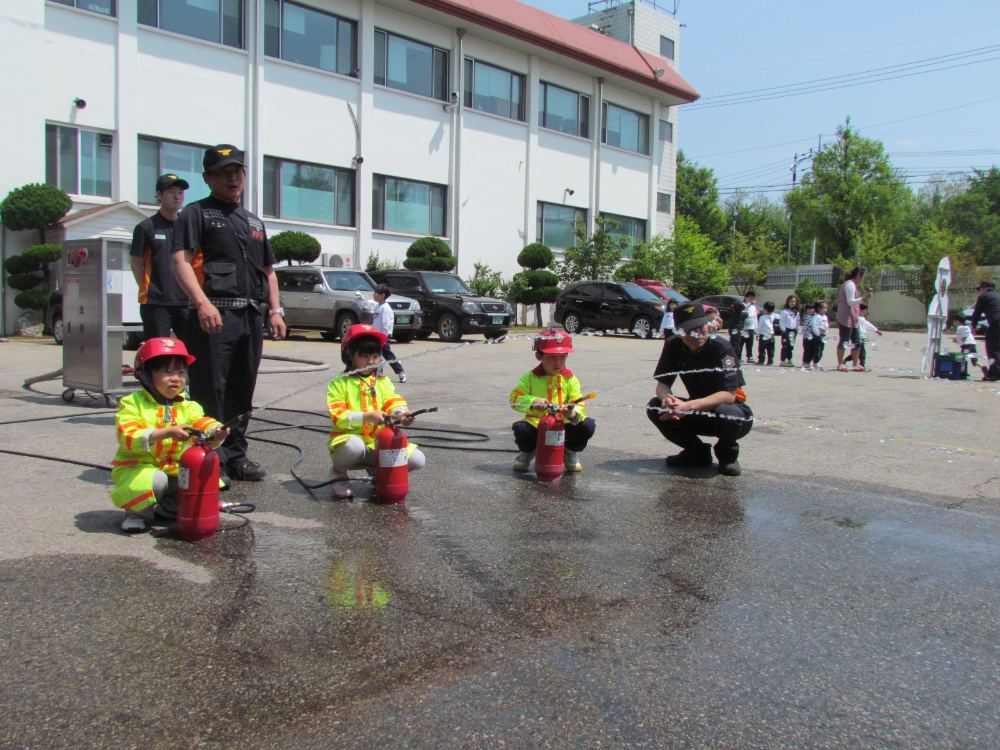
(795,165)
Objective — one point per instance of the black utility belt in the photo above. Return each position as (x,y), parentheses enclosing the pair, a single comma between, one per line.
(231,303)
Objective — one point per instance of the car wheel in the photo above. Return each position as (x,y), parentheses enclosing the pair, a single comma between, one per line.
(345,322)
(329,335)
(642,327)
(402,338)
(58,328)
(449,329)
(423,334)
(497,334)
(572,323)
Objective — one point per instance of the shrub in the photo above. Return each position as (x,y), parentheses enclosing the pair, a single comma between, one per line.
(33,300)
(535,256)
(535,284)
(429,254)
(22,282)
(34,206)
(298,246)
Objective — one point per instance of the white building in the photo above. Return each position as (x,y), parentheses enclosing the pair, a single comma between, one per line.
(366,123)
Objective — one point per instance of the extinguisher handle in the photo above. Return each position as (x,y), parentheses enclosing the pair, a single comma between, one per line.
(393,421)
(236,420)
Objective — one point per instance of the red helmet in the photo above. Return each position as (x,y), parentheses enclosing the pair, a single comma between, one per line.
(554,341)
(356,332)
(161,348)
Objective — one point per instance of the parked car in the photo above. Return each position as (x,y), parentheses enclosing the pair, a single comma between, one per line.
(724,304)
(665,292)
(450,308)
(331,300)
(604,304)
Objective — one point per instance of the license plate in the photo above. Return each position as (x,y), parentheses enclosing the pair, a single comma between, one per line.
(402,319)
(498,320)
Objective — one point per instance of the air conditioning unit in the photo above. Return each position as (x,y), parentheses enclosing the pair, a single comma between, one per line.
(337,260)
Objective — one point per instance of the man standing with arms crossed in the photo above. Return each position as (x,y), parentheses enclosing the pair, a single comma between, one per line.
(224,263)
(162,303)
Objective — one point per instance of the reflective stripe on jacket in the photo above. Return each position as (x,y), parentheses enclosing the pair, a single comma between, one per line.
(139,415)
(347,398)
(556,389)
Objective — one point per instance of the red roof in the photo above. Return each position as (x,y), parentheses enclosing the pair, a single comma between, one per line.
(521,21)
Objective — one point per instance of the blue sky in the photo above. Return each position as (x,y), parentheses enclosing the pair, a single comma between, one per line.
(730,46)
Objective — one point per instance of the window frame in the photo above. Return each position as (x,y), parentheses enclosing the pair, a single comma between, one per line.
(339,19)
(672,54)
(642,117)
(670,202)
(78,5)
(669,129)
(159,160)
(436,53)
(580,214)
(340,173)
(157,5)
(379,207)
(582,107)
(78,175)
(469,88)
(615,233)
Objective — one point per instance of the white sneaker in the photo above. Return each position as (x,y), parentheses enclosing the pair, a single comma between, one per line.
(571,461)
(341,489)
(134,522)
(402,377)
(523,461)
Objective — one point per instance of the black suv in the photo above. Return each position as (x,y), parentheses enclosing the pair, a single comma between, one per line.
(604,304)
(450,308)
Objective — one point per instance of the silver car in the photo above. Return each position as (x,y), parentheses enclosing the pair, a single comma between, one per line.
(331,300)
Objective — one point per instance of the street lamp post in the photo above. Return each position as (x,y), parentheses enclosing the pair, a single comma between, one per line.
(795,165)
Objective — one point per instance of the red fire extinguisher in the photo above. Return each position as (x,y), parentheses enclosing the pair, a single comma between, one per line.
(392,474)
(198,490)
(550,448)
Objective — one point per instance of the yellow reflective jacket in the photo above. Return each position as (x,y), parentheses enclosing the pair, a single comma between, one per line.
(139,415)
(556,389)
(348,397)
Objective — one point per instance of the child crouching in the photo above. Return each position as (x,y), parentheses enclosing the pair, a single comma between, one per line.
(151,434)
(550,383)
(359,404)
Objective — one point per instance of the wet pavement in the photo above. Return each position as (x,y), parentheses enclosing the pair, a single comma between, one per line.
(623,607)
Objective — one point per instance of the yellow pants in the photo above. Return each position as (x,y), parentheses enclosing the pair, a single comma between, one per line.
(133,487)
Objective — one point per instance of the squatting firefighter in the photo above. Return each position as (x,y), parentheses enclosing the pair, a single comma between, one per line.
(151,437)
(550,383)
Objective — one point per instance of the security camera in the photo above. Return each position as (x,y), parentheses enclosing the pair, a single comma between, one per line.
(358,160)
(80,103)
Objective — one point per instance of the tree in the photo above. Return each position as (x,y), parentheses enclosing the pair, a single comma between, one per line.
(852,183)
(485,281)
(297,246)
(34,206)
(974,211)
(374,263)
(595,257)
(429,254)
(750,259)
(808,292)
(920,257)
(22,275)
(539,285)
(877,251)
(43,256)
(698,197)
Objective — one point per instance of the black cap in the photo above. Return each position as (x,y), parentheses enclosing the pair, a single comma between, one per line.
(690,315)
(169,180)
(988,284)
(221,156)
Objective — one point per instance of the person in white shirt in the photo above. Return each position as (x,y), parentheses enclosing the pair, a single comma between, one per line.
(820,324)
(749,323)
(667,324)
(765,335)
(966,341)
(789,322)
(383,322)
(863,327)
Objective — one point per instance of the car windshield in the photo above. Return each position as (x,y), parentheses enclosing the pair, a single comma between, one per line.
(671,294)
(446,283)
(348,281)
(640,292)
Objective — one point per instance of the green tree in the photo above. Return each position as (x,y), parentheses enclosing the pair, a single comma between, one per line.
(595,257)
(44,256)
(808,292)
(374,263)
(429,254)
(920,257)
(852,183)
(298,246)
(485,281)
(698,197)
(973,211)
(34,206)
(539,285)
(750,258)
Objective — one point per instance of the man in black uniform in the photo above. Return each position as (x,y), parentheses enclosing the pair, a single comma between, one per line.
(223,262)
(717,394)
(988,306)
(162,303)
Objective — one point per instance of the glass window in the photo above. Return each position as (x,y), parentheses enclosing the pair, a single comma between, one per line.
(639,292)
(78,161)
(494,90)
(158,157)
(212,20)
(563,110)
(666,48)
(310,37)
(445,283)
(555,224)
(634,229)
(348,281)
(663,203)
(409,65)
(308,192)
(408,206)
(106,7)
(625,128)
(666,131)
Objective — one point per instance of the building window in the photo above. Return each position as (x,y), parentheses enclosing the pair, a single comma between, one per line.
(554,224)
(666,131)
(309,37)
(666,48)
(634,229)
(625,128)
(563,110)
(212,20)
(409,65)
(408,206)
(78,161)
(663,203)
(107,7)
(494,90)
(157,157)
(308,192)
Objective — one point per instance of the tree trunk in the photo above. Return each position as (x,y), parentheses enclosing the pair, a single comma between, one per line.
(538,314)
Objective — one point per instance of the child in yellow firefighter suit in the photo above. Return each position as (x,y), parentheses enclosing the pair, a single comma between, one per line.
(359,401)
(551,383)
(151,435)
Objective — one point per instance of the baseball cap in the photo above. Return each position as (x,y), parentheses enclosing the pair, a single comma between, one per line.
(988,284)
(690,315)
(221,156)
(169,180)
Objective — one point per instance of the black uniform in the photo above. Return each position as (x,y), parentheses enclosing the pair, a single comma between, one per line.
(230,252)
(988,306)
(162,303)
(684,432)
